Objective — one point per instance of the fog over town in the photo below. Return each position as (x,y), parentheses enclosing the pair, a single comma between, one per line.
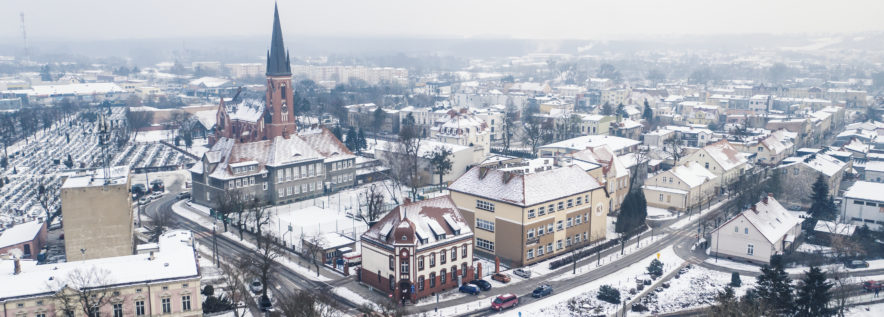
(457,158)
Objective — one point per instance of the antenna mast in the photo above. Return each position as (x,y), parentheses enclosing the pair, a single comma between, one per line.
(24,36)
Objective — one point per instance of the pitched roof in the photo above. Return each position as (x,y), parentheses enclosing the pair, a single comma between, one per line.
(19,233)
(277,58)
(415,222)
(525,189)
(770,218)
(865,190)
(725,154)
(325,143)
(693,174)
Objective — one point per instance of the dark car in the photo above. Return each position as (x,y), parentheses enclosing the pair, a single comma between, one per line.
(856,264)
(183,195)
(542,290)
(138,190)
(469,289)
(482,284)
(157,185)
(504,301)
(500,277)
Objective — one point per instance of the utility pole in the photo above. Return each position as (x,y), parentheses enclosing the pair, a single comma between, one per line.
(24,36)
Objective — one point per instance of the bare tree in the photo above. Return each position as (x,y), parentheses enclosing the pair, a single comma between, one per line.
(313,248)
(138,120)
(537,133)
(843,284)
(230,203)
(440,159)
(234,275)
(161,221)
(44,196)
(86,290)
(309,304)
(260,214)
(264,263)
(674,147)
(374,205)
(409,147)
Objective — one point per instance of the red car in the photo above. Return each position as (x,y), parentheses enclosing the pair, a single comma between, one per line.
(504,301)
(871,286)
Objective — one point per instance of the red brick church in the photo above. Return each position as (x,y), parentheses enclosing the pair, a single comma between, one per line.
(255,122)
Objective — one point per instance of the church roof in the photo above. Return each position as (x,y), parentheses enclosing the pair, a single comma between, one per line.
(277,58)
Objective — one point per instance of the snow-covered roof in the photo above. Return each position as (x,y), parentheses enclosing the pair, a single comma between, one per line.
(524,189)
(276,152)
(725,154)
(666,189)
(866,191)
(249,110)
(208,118)
(822,163)
(589,141)
(74,89)
(693,174)
(209,82)
(834,228)
(175,260)
(118,175)
(325,143)
(19,233)
(770,218)
(422,223)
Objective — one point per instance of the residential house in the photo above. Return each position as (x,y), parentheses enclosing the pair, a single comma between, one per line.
(799,173)
(722,159)
(681,188)
(754,235)
(27,238)
(864,204)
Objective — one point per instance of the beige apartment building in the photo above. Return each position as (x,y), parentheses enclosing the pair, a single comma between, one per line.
(165,282)
(97,214)
(681,187)
(722,159)
(527,216)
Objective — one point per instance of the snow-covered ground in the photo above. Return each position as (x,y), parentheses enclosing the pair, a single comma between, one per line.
(729,264)
(655,213)
(156,136)
(814,249)
(697,287)
(873,310)
(693,217)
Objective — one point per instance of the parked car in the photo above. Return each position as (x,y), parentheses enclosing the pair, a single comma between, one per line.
(856,264)
(522,273)
(255,286)
(482,284)
(156,195)
(469,289)
(157,185)
(504,301)
(665,284)
(183,195)
(542,290)
(658,289)
(501,277)
(144,200)
(871,286)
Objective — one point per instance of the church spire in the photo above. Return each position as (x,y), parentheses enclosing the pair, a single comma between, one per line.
(277,57)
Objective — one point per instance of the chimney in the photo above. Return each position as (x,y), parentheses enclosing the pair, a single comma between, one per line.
(754,209)
(764,200)
(407,200)
(151,257)
(770,195)
(17,266)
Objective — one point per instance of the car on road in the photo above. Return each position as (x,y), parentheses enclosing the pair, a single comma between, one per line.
(871,286)
(144,200)
(482,284)
(156,195)
(856,264)
(504,301)
(255,286)
(469,289)
(157,185)
(501,277)
(542,290)
(524,273)
(183,195)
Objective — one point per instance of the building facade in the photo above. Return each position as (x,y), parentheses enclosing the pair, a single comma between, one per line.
(97,214)
(765,229)
(864,204)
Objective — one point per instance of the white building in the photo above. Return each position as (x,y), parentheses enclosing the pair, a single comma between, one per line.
(466,129)
(754,235)
(864,204)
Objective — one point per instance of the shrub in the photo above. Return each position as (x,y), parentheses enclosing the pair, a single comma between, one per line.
(735,280)
(609,294)
(209,290)
(656,268)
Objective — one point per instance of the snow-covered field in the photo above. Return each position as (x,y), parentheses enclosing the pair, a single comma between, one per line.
(697,287)
(156,136)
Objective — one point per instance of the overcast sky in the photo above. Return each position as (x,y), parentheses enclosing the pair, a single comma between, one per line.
(538,19)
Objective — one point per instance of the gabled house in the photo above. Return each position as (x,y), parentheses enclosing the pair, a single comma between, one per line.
(680,188)
(765,229)
(722,159)
(797,174)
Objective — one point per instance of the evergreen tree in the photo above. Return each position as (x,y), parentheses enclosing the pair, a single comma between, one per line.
(774,289)
(814,294)
(621,111)
(633,211)
(823,207)
(735,280)
(656,268)
(725,304)
(648,114)
(362,144)
(352,141)
(607,109)
(338,133)
(440,159)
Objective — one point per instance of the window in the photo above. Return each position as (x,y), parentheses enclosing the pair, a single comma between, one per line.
(530,254)
(432,259)
(796,171)
(750,250)
(208,196)
(442,257)
(483,244)
(454,273)
(530,213)
(239,183)
(541,211)
(570,203)
(530,233)
(707,165)
(746,230)
(568,241)
(551,208)
(390,258)
(44,315)
(540,251)
(403,266)
(185,303)
(463,269)
(392,282)
(139,308)
(264,185)
(167,305)
(549,228)
(442,275)
(570,222)
(484,205)
(118,310)
(420,263)
(420,283)
(737,229)
(540,231)
(577,220)
(252,180)
(661,197)
(453,253)
(281,192)
(559,245)
(463,251)
(485,225)
(579,201)
(561,205)
(432,280)
(560,225)
(549,247)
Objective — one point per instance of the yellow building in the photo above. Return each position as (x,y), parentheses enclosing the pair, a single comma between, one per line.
(97,214)
(527,216)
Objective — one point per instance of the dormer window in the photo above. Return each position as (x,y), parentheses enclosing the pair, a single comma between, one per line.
(404,238)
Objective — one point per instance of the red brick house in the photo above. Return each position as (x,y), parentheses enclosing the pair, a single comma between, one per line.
(28,238)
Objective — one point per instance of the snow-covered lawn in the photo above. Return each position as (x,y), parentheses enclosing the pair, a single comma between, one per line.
(581,301)
(873,310)
(729,264)
(814,249)
(655,213)
(697,287)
